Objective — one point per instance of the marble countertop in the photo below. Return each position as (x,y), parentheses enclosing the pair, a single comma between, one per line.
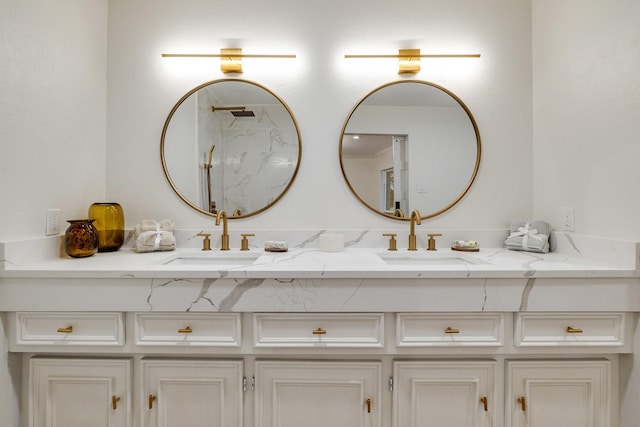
(310,263)
(363,257)
(363,277)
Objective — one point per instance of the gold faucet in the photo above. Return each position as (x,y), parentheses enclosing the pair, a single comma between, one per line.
(415,219)
(224,246)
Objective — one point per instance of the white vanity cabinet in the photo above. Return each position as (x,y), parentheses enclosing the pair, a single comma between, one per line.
(319,369)
(293,393)
(79,392)
(563,393)
(191,393)
(444,393)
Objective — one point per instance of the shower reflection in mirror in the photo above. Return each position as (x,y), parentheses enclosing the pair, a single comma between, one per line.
(234,157)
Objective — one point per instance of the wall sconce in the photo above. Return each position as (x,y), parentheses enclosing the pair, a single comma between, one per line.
(230,58)
(409,59)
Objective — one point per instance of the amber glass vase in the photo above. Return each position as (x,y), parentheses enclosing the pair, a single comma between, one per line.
(109,221)
(81,238)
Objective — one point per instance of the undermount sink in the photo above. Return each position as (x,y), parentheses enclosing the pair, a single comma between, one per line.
(428,258)
(214,259)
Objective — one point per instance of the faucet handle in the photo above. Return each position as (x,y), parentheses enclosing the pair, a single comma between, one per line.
(244,245)
(206,242)
(431,246)
(392,241)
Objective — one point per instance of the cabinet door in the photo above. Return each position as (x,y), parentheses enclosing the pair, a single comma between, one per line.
(79,392)
(192,393)
(558,393)
(317,394)
(443,394)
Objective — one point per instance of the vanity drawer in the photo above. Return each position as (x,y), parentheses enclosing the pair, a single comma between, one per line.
(449,329)
(571,329)
(318,330)
(64,328)
(192,329)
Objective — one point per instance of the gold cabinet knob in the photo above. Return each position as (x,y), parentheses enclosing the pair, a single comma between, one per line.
(451,330)
(114,402)
(572,330)
(186,330)
(485,403)
(523,403)
(152,398)
(66,330)
(319,331)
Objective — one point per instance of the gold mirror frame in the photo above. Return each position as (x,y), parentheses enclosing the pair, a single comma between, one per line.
(231,215)
(456,199)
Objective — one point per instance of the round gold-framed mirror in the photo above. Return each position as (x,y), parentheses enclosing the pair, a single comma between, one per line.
(232,145)
(410,145)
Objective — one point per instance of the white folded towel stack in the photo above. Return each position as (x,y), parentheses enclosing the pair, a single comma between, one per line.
(154,235)
(530,236)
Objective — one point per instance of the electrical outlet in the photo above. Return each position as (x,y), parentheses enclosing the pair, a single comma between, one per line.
(53,221)
(568,219)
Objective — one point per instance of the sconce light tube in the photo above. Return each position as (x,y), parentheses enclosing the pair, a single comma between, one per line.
(217,55)
(231,58)
(409,59)
(465,55)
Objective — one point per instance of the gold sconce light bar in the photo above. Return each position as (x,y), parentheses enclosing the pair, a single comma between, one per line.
(409,59)
(230,59)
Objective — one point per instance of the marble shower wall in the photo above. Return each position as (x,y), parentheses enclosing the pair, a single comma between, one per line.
(259,157)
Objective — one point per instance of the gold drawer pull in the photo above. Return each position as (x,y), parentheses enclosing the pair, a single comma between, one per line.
(485,403)
(66,330)
(573,330)
(319,331)
(523,403)
(152,398)
(186,330)
(114,402)
(451,330)
(368,402)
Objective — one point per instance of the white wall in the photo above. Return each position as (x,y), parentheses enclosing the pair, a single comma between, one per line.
(320,87)
(53,91)
(586,131)
(53,78)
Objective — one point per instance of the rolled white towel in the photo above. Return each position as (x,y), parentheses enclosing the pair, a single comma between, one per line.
(154,235)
